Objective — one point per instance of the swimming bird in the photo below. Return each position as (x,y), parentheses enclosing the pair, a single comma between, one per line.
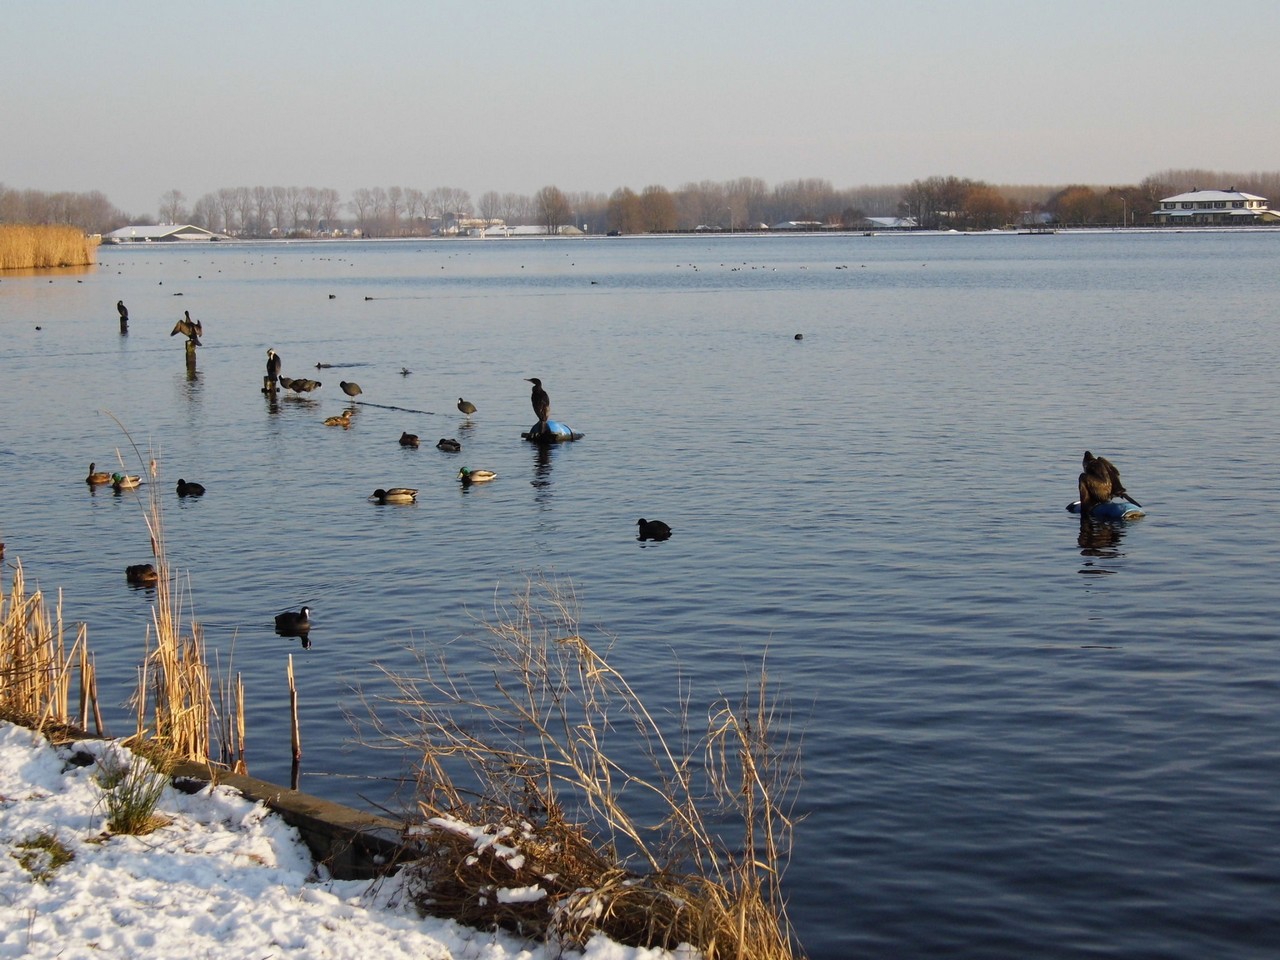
(191,489)
(466,406)
(97,478)
(350,389)
(395,495)
(408,439)
(191,329)
(1100,482)
(448,445)
(652,530)
(125,481)
(343,420)
(467,475)
(405,371)
(141,574)
(293,622)
(273,365)
(303,385)
(540,400)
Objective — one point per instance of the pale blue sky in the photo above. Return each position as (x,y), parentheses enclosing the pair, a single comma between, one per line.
(135,99)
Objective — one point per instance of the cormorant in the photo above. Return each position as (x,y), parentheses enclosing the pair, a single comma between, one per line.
(273,366)
(189,328)
(1100,482)
(540,400)
(123,311)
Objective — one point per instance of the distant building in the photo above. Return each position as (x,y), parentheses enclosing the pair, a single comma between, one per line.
(160,233)
(1219,207)
(888,223)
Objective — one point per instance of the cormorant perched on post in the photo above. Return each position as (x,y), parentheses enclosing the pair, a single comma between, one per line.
(189,328)
(1100,482)
(123,311)
(541,401)
(273,366)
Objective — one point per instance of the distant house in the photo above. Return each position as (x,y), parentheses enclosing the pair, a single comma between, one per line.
(798,225)
(160,233)
(888,223)
(1205,207)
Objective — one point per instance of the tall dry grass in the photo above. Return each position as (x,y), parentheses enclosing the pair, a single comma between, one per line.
(531,819)
(36,663)
(27,247)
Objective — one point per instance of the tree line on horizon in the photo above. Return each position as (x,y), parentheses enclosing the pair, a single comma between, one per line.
(745,203)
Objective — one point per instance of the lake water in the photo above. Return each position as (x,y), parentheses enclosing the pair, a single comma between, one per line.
(1021,738)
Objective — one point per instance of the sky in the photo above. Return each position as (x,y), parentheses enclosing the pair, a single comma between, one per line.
(139,99)
(223,878)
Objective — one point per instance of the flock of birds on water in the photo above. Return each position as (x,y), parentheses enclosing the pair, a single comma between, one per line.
(297,623)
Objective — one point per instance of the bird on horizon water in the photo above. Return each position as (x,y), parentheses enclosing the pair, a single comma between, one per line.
(190,488)
(97,478)
(1100,482)
(350,389)
(408,439)
(541,401)
(469,476)
(466,407)
(395,495)
(125,481)
(652,530)
(342,420)
(273,365)
(448,445)
(191,329)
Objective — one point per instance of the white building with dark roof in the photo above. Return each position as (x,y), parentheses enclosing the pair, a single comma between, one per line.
(1218,207)
(160,233)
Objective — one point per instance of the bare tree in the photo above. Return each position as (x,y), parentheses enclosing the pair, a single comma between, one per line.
(244,207)
(395,205)
(173,206)
(227,203)
(206,213)
(310,207)
(361,205)
(279,208)
(552,208)
(490,206)
(330,204)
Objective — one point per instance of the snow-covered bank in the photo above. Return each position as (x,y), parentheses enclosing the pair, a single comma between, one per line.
(225,878)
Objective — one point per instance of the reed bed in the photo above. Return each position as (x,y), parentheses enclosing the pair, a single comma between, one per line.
(28,247)
(36,663)
(531,821)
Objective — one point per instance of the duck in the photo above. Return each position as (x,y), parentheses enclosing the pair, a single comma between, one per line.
(408,439)
(466,407)
(467,475)
(97,478)
(191,489)
(125,481)
(448,445)
(343,420)
(141,574)
(350,389)
(395,495)
(293,622)
(652,530)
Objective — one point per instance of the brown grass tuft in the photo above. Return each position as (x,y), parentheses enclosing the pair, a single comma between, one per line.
(28,247)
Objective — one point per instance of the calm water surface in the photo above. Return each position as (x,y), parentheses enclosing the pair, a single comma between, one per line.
(1021,738)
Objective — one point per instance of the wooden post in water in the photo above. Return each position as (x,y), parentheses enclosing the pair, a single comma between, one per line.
(293,718)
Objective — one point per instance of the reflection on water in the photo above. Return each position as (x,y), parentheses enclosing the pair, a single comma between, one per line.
(1099,542)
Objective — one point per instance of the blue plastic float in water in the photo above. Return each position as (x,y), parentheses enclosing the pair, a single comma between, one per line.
(1110,510)
(553,431)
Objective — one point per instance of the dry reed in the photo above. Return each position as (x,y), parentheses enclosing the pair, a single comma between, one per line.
(532,821)
(35,661)
(27,247)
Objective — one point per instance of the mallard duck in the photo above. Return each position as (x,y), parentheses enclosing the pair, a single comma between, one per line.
(466,406)
(408,439)
(191,489)
(467,475)
(652,529)
(350,389)
(1100,482)
(395,495)
(343,420)
(97,478)
(141,574)
(125,481)
(448,446)
(293,622)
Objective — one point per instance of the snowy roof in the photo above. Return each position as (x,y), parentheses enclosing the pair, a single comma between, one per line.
(1209,196)
(161,231)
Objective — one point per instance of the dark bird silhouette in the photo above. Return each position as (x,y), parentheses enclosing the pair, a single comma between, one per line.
(408,439)
(1100,482)
(652,530)
(123,311)
(466,406)
(191,329)
(448,445)
(293,623)
(273,366)
(191,489)
(540,400)
(141,574)
(350,389)
(302,385)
